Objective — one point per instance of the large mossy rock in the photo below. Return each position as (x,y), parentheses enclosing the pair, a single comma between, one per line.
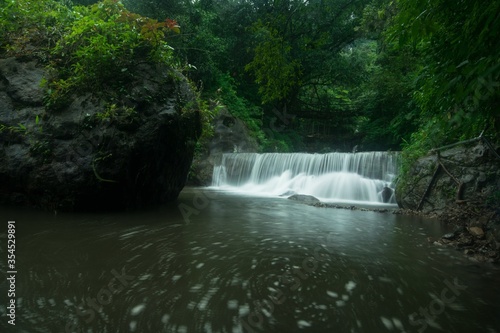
(90,155)
(469,173)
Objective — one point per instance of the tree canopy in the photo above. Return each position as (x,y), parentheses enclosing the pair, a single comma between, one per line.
(307,75)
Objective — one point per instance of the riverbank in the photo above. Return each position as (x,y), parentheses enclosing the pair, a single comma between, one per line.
(475,224)
(476,231)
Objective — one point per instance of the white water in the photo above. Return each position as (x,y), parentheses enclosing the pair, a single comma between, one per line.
(333,177)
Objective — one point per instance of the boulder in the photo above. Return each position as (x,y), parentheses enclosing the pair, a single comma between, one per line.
(89,155)
(386,194)
(307,199)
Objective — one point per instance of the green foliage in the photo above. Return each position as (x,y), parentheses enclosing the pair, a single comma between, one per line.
(42,149)
(284,141)
(20,128)
(377,17)
(208,113)
(102,46)
(88,48)
(113,112)
(295,45)
(384,100)
(298,64)
(31,28)
(384,74)
(459,85)
(276,72)
(456,86)
(241,108)
(274,52)
(202,45)
(419,144)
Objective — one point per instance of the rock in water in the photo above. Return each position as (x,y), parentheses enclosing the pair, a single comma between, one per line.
(449,236)
(386,194)
(308,199)
(85,158)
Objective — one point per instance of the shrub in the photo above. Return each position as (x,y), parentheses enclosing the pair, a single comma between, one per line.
(31,28)
(102,46)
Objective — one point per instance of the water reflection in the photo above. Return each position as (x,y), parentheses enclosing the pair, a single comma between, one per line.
(244,264)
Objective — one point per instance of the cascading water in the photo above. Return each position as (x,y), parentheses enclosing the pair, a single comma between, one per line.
(340,177)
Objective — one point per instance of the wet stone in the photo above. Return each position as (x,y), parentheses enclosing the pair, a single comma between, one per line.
(476,231)
(304,198)
(449,236)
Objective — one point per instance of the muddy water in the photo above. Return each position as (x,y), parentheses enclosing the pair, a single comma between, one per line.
(222,262)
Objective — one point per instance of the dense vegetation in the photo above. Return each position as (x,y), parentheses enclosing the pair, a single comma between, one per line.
(304,75)
(95,49)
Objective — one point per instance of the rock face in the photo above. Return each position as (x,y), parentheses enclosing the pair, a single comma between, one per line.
(230,136)
(467,173)
(91,155)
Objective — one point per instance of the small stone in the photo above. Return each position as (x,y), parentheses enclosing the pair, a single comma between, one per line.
(459,230)
(476,231)
(465,241)
(492,254)
(449,236)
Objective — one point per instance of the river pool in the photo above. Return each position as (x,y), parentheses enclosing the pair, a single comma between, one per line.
(218,261)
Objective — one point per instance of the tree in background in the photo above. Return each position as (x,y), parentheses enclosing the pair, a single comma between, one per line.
(340,73)
(457,85)
(458,88)
(388,114)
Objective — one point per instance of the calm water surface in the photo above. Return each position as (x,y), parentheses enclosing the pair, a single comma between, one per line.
(222,262)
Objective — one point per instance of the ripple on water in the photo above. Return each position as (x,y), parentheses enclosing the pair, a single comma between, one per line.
(137,309)
(350,286)
(303,324)
(186,281)
(232,304)
(196,288)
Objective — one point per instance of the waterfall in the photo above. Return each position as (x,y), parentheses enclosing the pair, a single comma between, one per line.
(342,177)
